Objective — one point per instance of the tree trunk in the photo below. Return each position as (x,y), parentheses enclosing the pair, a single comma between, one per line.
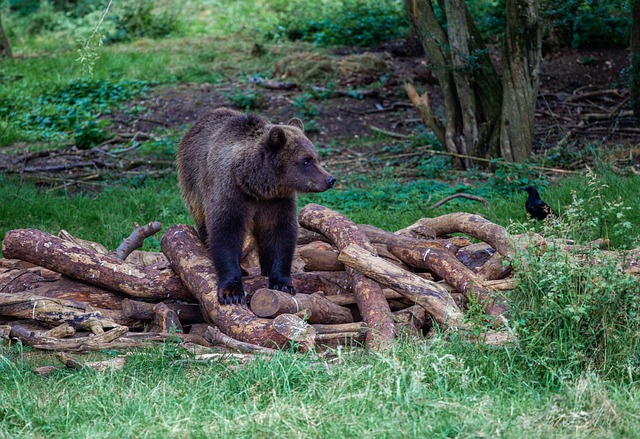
(520,77)
(634,79)
(472,89)
(5,48)
(465,72)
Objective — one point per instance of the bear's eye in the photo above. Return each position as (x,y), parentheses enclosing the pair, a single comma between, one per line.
(307,161)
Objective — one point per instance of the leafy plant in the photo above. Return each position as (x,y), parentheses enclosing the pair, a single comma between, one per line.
(72,108)
(577,310)
(247,98)
(343,22)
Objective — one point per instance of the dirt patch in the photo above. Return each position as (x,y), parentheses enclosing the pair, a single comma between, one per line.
(582,100)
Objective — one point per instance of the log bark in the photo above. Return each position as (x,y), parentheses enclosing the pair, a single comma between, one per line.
(436,300)
(189,258)
(319,256)
(370,299)
(106,271)
(271,303)
(165,319)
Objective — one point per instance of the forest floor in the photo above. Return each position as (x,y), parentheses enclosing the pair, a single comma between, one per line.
(582,102)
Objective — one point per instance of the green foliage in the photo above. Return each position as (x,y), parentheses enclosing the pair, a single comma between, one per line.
(138,19)
(509,177)
(577,310)
(342,22)
(247,98)
(71,108)
(590,21)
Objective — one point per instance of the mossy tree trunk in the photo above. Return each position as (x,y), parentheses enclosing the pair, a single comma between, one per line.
(475,97)
(520,78)
(5,48)
(634,80)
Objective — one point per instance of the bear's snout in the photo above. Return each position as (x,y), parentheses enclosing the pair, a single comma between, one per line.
(331,181)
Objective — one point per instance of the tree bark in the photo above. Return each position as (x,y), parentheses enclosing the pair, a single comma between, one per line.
(106,271)
(370,298)
(5,47)
(634,77)
(521,59)
(271,303)
(189,258)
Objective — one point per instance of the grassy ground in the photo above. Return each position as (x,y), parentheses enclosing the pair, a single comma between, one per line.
(574,373)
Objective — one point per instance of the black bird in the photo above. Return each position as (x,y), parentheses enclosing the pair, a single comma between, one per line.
(536,208)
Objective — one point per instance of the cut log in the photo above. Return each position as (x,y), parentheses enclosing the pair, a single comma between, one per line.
(434,257)
(370,299)
(469,224)
(53,311)
(106,271)
(271,303)
(320,256)
(436,300)
(138,310)
(135,240)
(165,319)
(189,258)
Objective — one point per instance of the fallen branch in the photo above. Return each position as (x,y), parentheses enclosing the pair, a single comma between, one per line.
(462,195)
(135,240)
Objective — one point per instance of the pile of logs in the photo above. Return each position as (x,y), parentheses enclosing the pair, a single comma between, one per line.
(354,283)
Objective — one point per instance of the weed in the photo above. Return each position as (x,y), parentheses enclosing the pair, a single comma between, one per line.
(577,310)
(247,98)
(343,22)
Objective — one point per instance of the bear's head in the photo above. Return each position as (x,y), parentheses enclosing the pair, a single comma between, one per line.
(296,160)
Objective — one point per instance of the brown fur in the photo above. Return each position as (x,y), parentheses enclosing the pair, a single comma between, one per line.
(239,174)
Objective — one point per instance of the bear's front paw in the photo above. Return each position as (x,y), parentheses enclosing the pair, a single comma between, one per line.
(282,286)
(231,296)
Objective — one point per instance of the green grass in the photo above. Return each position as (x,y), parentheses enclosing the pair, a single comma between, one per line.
(444,389)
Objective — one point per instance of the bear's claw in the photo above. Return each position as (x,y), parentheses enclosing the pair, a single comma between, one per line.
(228,296)
(280,286)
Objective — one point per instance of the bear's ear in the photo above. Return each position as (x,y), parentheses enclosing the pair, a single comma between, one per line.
(295,122)
(276,138)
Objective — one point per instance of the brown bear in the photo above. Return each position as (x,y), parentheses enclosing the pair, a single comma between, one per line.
(239,174)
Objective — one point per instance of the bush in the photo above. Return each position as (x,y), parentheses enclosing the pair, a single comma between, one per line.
(576,310)
(342,22)
(138,20)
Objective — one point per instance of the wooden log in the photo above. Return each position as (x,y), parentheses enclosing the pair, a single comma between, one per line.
(445,265)
(360,327)
(53,311)
(271,303)
(475,255)
(214,335)
(189,258)
(350,298)
(165,319)
(91,343)
(320,256)
(138,310)
(370,299)
(411,320)
(436,300)
(472,225)
(80,263)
